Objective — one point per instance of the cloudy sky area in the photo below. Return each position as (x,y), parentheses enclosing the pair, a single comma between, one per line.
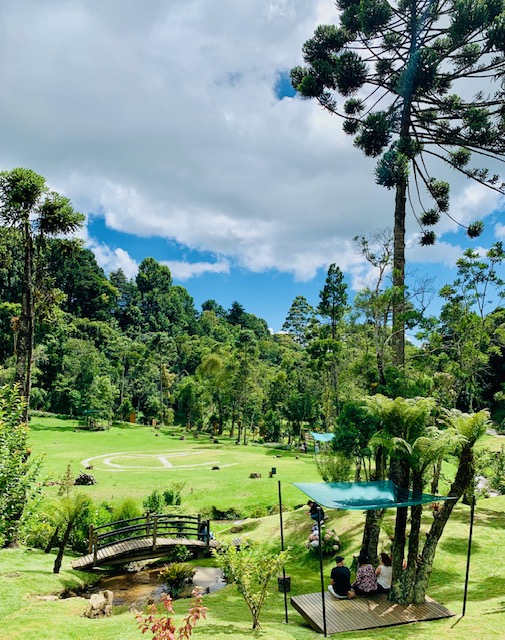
(168,122)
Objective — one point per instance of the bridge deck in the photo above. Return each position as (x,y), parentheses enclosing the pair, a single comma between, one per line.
(138,549)
(363,613)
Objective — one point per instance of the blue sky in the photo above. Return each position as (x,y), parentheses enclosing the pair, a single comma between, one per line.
(173,127)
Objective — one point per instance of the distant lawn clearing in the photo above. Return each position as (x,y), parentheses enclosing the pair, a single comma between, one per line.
(131,461)
(160,460)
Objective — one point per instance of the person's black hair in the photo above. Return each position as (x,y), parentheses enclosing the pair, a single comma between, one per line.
(362,559)
(386,559)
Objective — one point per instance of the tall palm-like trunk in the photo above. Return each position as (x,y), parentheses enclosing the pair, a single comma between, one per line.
(398,337)
(24,355)
(464,477)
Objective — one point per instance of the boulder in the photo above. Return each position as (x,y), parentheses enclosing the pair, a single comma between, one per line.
(100,605)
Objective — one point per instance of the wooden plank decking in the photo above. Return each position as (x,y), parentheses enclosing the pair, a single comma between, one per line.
(363,613)
(138,549)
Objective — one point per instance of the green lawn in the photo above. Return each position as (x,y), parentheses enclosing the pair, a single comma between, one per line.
(25,573)
(137,471)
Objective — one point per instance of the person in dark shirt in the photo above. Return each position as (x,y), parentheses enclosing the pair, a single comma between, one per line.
(340,580)
(316,512)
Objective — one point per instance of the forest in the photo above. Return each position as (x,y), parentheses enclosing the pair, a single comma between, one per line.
(109,346)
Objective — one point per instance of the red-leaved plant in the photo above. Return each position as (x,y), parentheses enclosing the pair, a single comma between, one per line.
(163,628)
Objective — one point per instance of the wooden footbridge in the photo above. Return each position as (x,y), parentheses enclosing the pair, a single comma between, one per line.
(151,536)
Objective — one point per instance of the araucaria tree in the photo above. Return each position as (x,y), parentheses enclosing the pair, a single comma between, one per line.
(406,70)
(36,213)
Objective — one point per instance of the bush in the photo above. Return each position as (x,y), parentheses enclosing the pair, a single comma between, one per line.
(334,467)
(173,494)
(126,509)
(176,575)
(331,541)
(179,553)
(154,503)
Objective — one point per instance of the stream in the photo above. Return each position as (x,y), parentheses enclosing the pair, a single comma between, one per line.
(145,587)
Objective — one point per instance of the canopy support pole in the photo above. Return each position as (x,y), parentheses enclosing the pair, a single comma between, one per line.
(320,546)
(282,549)
(472,513)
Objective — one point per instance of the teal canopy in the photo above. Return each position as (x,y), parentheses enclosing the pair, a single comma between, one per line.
(365,496)
(322,437)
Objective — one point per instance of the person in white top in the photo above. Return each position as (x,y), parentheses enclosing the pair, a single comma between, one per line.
(384,574)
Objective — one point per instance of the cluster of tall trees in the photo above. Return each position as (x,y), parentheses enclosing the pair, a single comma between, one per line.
(88,341)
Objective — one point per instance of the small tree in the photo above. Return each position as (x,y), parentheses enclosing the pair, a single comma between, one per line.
(17,469)
(251,569)
(68,509)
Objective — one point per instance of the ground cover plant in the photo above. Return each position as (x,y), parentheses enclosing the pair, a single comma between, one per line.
(22,615)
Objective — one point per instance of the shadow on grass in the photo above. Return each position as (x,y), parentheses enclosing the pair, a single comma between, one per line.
(72,425)
(228,629)
(458,546)
(501,609)
(483,517)
(448,583)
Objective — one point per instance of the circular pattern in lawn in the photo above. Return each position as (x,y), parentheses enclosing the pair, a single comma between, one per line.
(155,461)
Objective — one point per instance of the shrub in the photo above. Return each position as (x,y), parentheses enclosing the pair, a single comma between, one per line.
(176,575)
(334,467)
(17,469)
(179,553)
(154,503)
(126,509)
(173,494)
(251,569)
(331,541)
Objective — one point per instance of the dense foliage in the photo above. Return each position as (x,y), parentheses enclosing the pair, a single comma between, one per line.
(107,346)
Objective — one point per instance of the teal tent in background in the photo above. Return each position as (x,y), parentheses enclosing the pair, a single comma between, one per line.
(322,437)
(365,496)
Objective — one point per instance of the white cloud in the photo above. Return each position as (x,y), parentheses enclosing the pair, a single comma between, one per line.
(499,231)
(185,270)
(113,259)
(162,117)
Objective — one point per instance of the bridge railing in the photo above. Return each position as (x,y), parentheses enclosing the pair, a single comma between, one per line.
(150,526)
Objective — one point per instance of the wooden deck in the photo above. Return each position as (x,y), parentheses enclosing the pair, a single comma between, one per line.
(363,613)
(138,549)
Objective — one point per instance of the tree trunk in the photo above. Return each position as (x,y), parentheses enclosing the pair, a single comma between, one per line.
(371,534)
(61,548)
(24,355)
(409,573)
(398,336)
(464,476)
(437,470)
(53,541)
(397,593)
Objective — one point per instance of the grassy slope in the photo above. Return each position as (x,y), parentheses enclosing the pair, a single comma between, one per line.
(24,573)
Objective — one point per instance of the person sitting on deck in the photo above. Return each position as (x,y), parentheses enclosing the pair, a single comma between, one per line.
(366,582)
(316,512)
(340,580)
(384,574)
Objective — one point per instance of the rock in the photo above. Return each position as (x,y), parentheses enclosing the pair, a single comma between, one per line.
(255,475)
(100,605)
